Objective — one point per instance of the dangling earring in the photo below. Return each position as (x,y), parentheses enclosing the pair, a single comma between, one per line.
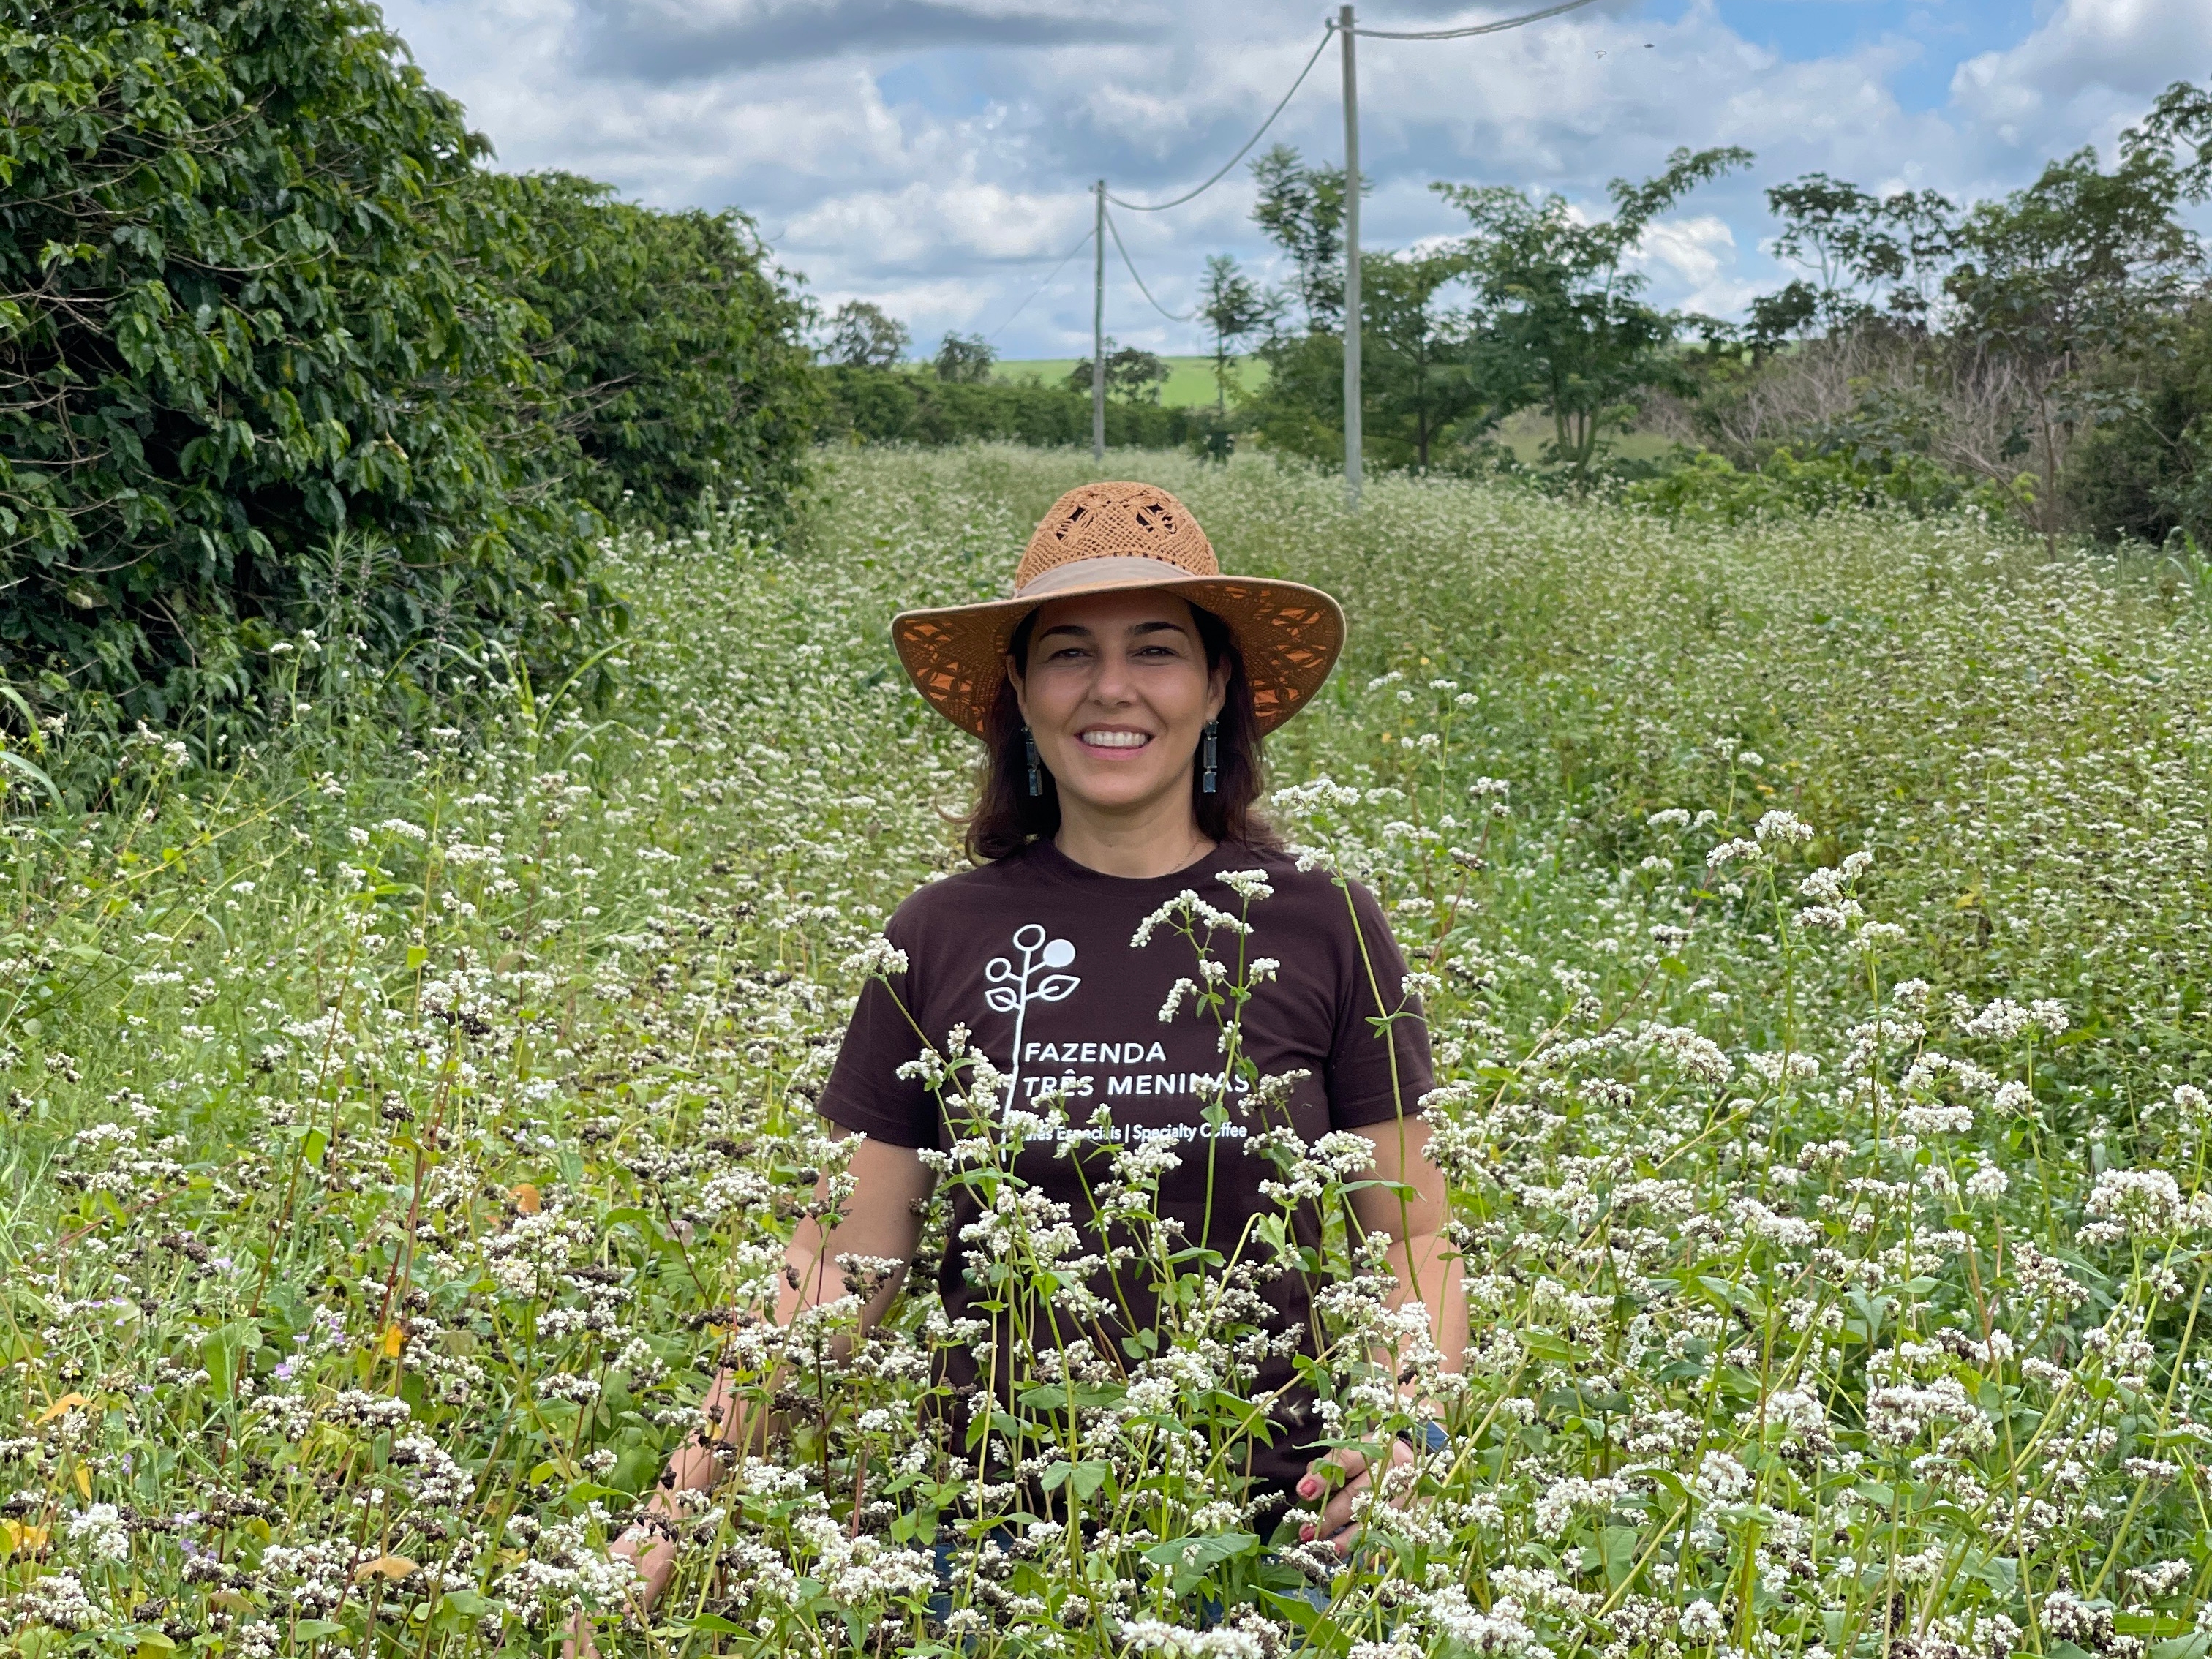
(1212,767)
(1037,781)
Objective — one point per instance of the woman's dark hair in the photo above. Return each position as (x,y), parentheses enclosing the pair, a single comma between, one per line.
(1008,818)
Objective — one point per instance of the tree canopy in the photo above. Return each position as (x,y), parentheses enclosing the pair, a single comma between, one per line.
(259,293)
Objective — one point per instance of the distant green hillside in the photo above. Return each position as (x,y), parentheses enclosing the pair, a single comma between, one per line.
(1191,382)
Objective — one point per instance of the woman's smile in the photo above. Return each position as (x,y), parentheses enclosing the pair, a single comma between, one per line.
(1113,737)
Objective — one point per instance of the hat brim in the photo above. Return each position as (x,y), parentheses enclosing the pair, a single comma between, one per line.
(1289,635)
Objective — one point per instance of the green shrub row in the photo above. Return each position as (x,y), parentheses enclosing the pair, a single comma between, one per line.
(888,405)
(276,349)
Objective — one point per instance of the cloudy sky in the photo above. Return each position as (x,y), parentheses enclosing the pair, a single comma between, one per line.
(936,155)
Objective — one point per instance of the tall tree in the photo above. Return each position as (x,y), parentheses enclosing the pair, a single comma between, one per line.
(677,347)
(863,335)
(1301,210)
(1423,382)
(1569,329)
(1235,309)
(1856,245)
(1134,374)
(251,296)
(2080,267)
(2179,129)
(964,359)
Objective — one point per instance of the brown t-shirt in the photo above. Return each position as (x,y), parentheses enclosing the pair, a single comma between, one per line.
(1034,955)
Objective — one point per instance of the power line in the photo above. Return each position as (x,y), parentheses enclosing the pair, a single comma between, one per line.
(1345,30)
(1348,32)
(1115,231)
(1477,28)
(1042,286)
(1157,207)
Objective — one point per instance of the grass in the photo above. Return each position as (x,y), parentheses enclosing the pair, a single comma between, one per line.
(1189,382)
(400,1128)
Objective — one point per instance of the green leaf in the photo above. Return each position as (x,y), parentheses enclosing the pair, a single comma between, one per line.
(713,1623)
(1052,1396)
(224,1351)
(1616,1547)
(14,762)
(1545,1345)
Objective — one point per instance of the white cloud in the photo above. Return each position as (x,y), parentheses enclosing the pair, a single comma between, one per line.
(2086,70)
(978,223)
(1700,254)
(939,158)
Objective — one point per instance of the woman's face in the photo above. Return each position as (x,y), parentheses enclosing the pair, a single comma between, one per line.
(1116,693)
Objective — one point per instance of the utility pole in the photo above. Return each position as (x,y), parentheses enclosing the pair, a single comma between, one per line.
(1098,334)
(1352,436)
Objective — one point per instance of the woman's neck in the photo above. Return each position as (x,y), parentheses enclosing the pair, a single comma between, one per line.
(1156,840)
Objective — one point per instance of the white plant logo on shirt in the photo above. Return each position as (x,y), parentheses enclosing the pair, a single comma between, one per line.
(1037,979)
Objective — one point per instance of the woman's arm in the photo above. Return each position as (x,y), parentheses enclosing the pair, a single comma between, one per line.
(1427,1270)
(1415,1216)
(882,1219)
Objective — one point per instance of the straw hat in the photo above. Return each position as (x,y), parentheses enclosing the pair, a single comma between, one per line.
(1110,537)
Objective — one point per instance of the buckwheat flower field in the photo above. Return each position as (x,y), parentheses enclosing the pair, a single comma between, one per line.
(1811,920)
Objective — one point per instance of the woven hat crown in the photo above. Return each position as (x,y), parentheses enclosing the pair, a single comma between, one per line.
(1117,520)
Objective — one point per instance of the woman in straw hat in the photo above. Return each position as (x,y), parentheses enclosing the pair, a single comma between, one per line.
(1121,694)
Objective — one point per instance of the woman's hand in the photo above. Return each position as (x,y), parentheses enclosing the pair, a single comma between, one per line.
(891,1183)
(655,1557)
(1336,1527)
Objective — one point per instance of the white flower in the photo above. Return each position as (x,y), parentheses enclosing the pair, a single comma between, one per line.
(1778,825)
(58,1600)
(1191,911)
(1570,1494)
(101,1529)
(1702,1625)
(2145,1201)
(1722,1479)
(878,959)
(1729,851)
(1177,993)
(1247,884)
(1987,1181)
(2001,1021)
(1179,1642)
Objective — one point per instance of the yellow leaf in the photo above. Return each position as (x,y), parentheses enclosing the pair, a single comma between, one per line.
(526,1198)
(395,1338)
(84,1483)
(16,1538)
(230,1601)
(385,1567)
(68,1402)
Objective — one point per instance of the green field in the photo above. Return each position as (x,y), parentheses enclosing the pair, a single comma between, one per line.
(1190,381)
(1811,919)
